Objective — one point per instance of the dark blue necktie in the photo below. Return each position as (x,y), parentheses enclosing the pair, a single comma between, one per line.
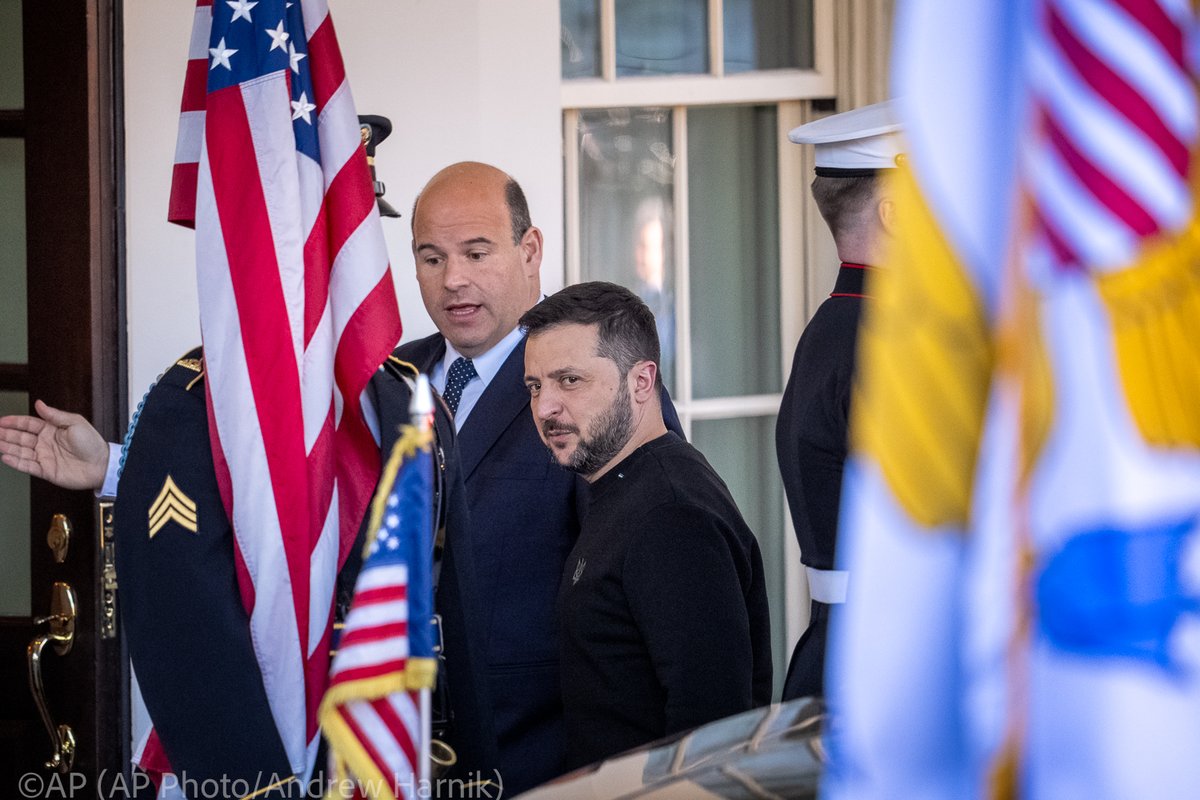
(461,372)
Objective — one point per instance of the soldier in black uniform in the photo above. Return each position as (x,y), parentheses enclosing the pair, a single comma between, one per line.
(188,632)
(810,436)
(181,610)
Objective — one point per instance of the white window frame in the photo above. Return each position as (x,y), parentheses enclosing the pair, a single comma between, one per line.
(799,289)
(771,86)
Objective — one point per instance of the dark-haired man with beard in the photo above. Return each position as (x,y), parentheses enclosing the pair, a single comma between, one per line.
(662,604)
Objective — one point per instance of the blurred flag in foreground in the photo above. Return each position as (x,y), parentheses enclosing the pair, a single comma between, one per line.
(297,310)
(376,713)
(1021,518)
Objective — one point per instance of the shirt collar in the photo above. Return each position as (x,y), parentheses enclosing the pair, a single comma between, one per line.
(489,363)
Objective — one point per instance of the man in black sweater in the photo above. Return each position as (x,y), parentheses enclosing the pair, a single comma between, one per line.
(662,605)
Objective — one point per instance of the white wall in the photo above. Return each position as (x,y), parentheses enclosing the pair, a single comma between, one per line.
(460,79)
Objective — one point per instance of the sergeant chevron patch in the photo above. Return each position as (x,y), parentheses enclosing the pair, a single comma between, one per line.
(172,505)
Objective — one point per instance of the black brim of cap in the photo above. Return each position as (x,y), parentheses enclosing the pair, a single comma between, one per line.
(844,172)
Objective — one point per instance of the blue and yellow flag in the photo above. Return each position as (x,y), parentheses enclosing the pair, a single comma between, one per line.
(1021,518)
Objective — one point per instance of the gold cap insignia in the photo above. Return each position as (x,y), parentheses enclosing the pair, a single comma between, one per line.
(172,505)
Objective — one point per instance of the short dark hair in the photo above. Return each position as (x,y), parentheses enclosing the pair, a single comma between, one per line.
(841,200)
(518,210)
(626,330)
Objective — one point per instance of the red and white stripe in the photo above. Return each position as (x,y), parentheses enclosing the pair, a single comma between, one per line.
(374,644)
(182,205)
(382,726)
(297,311)
(1115,123)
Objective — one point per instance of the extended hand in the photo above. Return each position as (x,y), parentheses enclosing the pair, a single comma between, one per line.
(60,447)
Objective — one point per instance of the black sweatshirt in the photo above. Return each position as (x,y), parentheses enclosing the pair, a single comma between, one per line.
(663,606)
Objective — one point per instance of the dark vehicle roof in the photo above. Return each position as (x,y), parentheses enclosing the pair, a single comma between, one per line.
(771,752)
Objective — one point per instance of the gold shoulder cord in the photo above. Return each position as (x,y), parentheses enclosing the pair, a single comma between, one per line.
(195,365)
(408,365)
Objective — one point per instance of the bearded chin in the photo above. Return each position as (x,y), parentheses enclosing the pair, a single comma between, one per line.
(605,437)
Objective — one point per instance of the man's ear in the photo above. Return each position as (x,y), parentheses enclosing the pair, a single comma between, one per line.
(886,210)
(531,250)
(643,378)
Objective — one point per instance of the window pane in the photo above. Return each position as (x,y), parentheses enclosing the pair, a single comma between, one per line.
(742,451)
(13,335)
(12,70)
(664,37)
(626,205)
(734,250)
(768,34)
(14,525)
(580,38)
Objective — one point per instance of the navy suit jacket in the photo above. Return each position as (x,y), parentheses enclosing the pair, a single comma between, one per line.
(525,514)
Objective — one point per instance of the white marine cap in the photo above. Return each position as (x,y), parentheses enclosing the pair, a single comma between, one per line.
(857,142)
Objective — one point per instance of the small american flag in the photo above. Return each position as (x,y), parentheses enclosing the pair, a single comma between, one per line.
(297,310)
(376,712)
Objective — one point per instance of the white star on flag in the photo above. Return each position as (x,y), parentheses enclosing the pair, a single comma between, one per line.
(221,55)
(279,37)
(295,57)
(301,107)
(241,8)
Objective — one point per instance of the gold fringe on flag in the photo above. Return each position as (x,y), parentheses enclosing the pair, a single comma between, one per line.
(1154,306)
(1022,354)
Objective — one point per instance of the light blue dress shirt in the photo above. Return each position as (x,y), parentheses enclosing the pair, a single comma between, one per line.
(486,365)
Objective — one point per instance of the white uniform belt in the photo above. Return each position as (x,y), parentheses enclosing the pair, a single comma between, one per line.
(827,585)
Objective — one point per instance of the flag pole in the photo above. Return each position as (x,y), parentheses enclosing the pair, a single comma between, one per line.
(420,410)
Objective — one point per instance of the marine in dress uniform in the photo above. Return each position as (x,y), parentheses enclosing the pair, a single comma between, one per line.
(811,432)
(181,609)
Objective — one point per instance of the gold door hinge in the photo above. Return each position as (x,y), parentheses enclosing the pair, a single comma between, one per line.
(108,573)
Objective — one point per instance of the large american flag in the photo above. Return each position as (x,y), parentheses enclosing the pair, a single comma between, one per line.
(376,712)
(297,310)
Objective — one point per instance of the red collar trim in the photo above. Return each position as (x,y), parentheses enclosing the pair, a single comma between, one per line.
(852,265)
(849,294)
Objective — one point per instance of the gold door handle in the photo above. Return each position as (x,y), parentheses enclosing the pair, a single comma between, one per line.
(58,538)
(62,635)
